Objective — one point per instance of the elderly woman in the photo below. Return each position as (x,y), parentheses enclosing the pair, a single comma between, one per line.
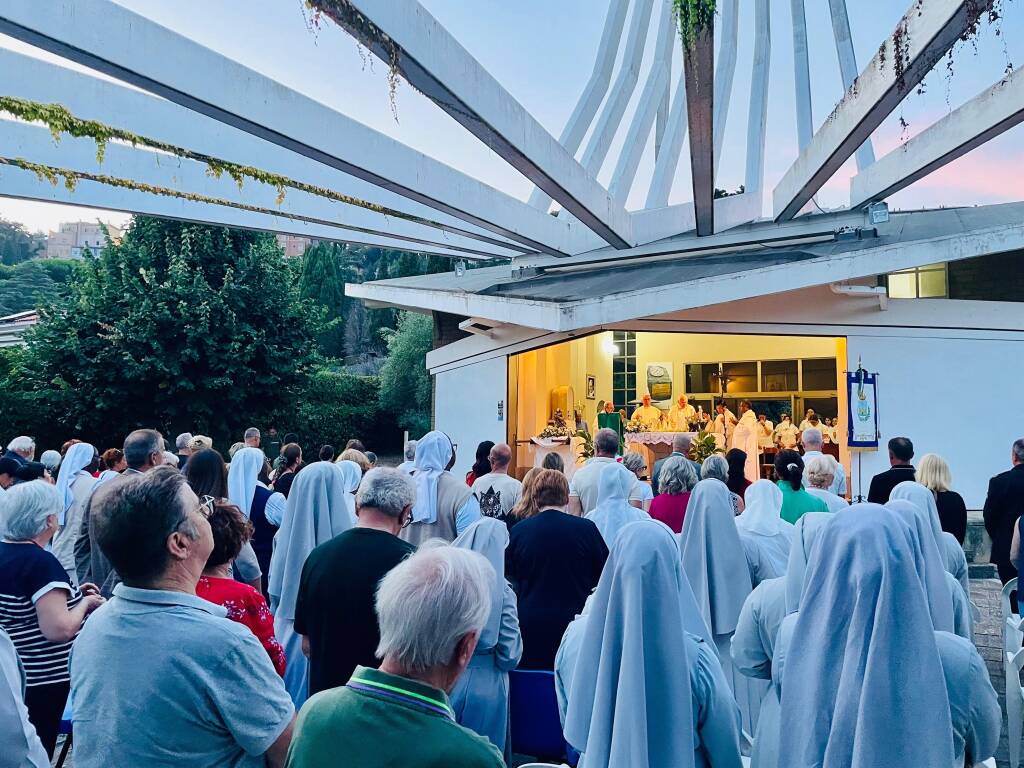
(716,467)
(821,473)
(675,481)
(40,608)
(231,531)
(637,464)
(480,698)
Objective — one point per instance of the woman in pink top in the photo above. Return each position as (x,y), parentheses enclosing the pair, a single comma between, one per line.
(675,482)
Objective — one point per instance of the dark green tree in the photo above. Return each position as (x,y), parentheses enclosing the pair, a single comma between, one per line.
(405,387)
(30,284)
(324,274)
(178,327)
(16,244)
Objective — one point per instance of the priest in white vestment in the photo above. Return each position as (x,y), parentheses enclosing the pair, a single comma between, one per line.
(681,415)
(765,429)
(647,414)
(745,438)
(786,433)
(723,426)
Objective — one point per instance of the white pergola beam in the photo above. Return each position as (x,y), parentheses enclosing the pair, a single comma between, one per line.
(848,67)
(437,65)
(926,33)
(757,119)
(981,119)
(725,72)
(95,98)
(801,76)
(667,162)
(647,108)
(593,92)
(111,39)
(122,161)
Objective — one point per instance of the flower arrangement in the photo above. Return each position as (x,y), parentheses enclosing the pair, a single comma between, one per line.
(635,425)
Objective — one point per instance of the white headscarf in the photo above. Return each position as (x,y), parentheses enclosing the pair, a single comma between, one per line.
(488,536)
(433,452)
(630,703)
(805,533)
(78,457)
(761,514)
(316,513)
(930,565)
(863,685)
(351,476)
(243,476)
(713,557)
(613,509)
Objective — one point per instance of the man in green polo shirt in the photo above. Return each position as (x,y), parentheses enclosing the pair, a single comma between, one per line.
(430,609)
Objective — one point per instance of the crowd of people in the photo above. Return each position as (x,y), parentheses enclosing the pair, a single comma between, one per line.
(191,611)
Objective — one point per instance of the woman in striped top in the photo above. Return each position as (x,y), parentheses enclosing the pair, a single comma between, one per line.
(40,607)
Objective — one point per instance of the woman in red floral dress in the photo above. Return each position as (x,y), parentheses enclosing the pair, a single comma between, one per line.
(231,529)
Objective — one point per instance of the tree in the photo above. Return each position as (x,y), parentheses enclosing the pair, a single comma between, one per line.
(405,387)
(30,284)
(16,244)
(178,327)
(323,281)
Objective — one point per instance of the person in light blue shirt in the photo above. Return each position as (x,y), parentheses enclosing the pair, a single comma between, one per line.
(812,440)
(162,677)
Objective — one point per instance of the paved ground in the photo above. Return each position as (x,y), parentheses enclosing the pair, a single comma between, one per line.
(988,637)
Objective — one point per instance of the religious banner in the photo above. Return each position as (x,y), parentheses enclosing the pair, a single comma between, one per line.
(862,389)
(659,383)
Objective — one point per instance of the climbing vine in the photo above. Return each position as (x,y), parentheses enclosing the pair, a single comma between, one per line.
(366,33)
(61,121)
(693,17)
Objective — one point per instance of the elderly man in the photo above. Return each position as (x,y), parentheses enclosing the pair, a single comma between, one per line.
(681,415)
(647,414)
(813,440)
(22,449)
(343,574)
(182,444)
(430,609)
(680,447)
(409,464)
(252,438)
(1004,506)
(143,451)
(161,677)
(583,488)
(445,506)
(496,491)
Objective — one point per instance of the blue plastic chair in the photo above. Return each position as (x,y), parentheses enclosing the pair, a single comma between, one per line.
(65,729)
(533,714)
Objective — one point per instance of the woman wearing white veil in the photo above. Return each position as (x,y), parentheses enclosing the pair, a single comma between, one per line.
(318,510)
(753,644)
(75,484)
(855,629)
(613,510)
(480,697)
(629,703)
(716,566)
(765,535)
(947,603)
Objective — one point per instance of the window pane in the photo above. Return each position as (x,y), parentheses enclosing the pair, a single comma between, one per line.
(699,377)
(740,377)
(820,373)
(618,365)
(903,285)
(618,381)
(630,364)
(779,376)
(932,283)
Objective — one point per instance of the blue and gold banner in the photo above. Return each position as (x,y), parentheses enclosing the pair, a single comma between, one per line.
(862,389)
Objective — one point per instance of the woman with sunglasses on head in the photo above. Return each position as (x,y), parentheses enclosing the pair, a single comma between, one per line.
(231,531)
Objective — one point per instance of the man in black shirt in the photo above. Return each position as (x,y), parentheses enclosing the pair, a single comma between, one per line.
(1004,505)
(901,451)
(335,607)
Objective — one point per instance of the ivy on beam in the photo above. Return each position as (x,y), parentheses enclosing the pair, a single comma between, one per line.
(693,17)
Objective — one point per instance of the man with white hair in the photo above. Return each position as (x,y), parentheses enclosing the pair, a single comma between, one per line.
(22,449)
(410,457)
(583,488)
(183,446)
(813,440)
(681,444)
(431,609)
(252,438)
(343,573)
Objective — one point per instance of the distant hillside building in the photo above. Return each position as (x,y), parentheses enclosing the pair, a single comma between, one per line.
(294,245)
(73,237)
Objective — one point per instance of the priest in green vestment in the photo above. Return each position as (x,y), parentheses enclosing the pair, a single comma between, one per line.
(610,419)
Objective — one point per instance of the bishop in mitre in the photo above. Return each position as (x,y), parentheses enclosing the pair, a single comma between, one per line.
(681,415)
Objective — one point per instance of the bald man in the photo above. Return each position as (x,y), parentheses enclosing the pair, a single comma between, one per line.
(496,491)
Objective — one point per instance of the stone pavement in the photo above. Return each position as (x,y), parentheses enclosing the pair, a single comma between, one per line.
(988,637)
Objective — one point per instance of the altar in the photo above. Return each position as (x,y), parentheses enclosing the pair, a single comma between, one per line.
(566,447)
(649,445)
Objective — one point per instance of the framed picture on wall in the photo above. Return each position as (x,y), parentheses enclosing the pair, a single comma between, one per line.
(591,387)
